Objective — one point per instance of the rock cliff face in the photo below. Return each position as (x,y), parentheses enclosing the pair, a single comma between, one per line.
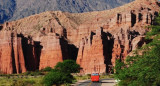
(90,55)
(94,39)
(51,52)
(11,53)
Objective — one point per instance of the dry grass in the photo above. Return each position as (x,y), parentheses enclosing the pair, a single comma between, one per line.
(18,81)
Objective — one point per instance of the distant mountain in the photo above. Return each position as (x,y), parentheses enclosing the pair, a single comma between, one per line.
(16,9)
(7,8)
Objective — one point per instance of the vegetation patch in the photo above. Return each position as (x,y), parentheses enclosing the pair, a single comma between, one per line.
(142,70)
(61,74)
(21,81)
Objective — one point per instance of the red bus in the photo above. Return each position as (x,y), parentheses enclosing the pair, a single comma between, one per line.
(95,77)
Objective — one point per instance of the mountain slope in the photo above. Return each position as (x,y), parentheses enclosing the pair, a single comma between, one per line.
(26,8)
(7,8)
(94,39)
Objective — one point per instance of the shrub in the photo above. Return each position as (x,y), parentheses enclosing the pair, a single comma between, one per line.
(62,73)
(31,73)
(142,70)
(69,66)
(56,77)
(47,69)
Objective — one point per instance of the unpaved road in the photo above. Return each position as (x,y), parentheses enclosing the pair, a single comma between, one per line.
(103,82)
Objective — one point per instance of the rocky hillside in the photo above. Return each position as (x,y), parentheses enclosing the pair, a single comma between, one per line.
(16,9)
(94,39)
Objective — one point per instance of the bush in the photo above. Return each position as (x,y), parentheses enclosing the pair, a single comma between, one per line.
(142,70)
(62,73)
(56,77)
(31,73)
(69,66)
(47,69)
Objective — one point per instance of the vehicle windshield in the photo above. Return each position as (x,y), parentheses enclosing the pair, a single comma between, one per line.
(95,74)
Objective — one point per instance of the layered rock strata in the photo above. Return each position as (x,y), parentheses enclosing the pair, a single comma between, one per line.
(90,55)
(51,52)
(11,53)
(94,39)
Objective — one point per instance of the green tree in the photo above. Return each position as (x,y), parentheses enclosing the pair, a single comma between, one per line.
(69,66)
(61,73)
(57,78)
(142,70)
(47,69)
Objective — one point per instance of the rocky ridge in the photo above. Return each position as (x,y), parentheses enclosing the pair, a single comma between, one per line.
(16,9)
(94,39)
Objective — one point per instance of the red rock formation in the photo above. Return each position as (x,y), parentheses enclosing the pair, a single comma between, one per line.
(18,54)
(51,52)
(138,42)
(90,56)
(31,51)
(51,37)
(11,54)
(116,51)
(6,53)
